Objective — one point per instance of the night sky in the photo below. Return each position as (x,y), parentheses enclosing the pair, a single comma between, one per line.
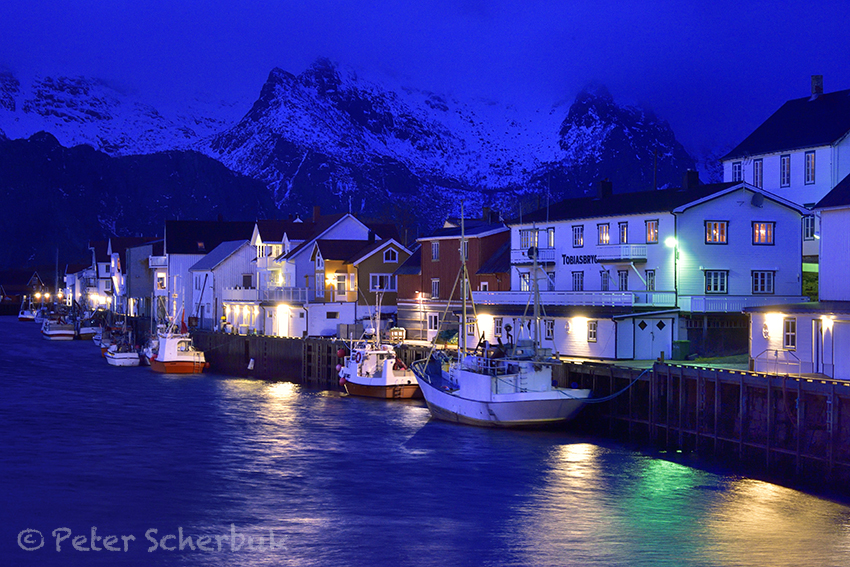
(714,69)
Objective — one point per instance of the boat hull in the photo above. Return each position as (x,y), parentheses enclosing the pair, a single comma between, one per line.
(178,366)
(384,392)
(26,317)
(57,332)
(122,359)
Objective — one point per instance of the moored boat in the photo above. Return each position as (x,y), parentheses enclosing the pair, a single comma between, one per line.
(122,355)
(177,355)
(56,330)
(27,311)
(374,371)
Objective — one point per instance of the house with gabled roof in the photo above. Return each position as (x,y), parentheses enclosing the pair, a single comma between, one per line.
(16,284)
(812,338)
(228,265)
(116,251)
(100,294)
(625,276)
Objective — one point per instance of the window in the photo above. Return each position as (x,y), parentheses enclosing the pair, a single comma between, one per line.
(652,232)
(785,171)
(484,286)
(623,229)
(333,315)
(497,326)
(320,263)
(470,326)
(789,333)
(715,281)
(107,285)
(578,236)
(550,237)
(550,280)
(527,238)
(549,328)
(340,283)
(464,249)
(382,282)
(809,227)
(763,232)
(160,281)
(715,232)
(591,331)
(320,284)
(650,280)
(737,171)
(433,321)
(435,288)
(623,277)
(390,256)
(578,281)
(197,282)
(247,281)
(435,251)
(524,281)
(758,173)
(604,277)
(810,168)
(762,282)
(604,234)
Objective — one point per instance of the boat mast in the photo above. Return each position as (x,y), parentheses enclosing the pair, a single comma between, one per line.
(536,291)
(463,287)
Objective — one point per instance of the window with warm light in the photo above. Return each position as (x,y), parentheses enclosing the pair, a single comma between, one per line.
(527,238)
(604,236)
(763,233)
(550,237)
(578,236)
(763,281)
(652,232)
(716,232)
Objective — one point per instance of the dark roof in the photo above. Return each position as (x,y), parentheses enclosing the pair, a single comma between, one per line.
(384,231)
(469,231)
(200,237)
(498,263)
(218,255)
(273,230)
(76,268)
(101,249)
(20,279)
(800,123)
(345,250)
(412,266)
(662,200)
(838,197)
(825,307)
(121,243)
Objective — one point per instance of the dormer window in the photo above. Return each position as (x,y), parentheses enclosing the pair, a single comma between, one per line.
(390,256)
(201,247)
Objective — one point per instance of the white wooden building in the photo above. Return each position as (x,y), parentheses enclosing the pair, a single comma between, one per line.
(226,266)
(624,276)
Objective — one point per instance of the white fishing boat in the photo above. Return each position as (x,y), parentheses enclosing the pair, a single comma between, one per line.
(505,386)
(374,371)
(57,330)
(177,354)
(27,311)
(122,355)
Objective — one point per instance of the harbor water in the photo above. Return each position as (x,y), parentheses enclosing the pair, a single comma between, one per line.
(122,466)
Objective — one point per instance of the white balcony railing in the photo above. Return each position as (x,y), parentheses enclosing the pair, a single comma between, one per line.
(622,253)
(239,294)
(298,295)
(157,261)
(595,298)
(544,256)
(732,303)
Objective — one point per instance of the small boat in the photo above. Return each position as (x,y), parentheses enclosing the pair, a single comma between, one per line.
(149,350)
(88,329)
(374,371)
(57,330)
(177,355)
(27,312)
(122,355)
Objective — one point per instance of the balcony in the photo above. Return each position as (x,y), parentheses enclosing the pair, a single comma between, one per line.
(239,294)
(732,303)
(157,261)
(544,256)
(296,295)
(586,298)
(621,253)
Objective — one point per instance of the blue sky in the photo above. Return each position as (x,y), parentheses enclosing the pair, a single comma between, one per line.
(713,69)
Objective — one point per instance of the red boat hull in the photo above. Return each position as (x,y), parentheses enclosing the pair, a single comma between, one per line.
(178,367)
(401,392)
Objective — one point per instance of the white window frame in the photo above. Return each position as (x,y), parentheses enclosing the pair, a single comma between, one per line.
(603,233)
(524,281)
(549,329)
(433,321)
(623,232)
(464,249)
(758,173)
(527,238)
(764,233)
(716,232)
(808,227)
(578,236)
(390,256)
(435,251)
(341,280)
(592,330)
(550,237)
(435,288)
(737,171)
(383,282)
(497,326)
(785,170)
(652,231)
(623,280)
(716,282)
(810,168)
(470,326)
(550,281)
(763,282)
(789,333)
(578,281)
(605,280)
(650,280)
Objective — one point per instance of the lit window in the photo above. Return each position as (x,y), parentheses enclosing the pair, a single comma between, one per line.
(789,333)
(340,283)
(604,234)
(715,232)
(591,331)
(737,171)
(549,328)
(785,171)
(550,237)
(524,281)
(650,280)
(763,232)
(578,236)
(578,281)
(435,251)
(652,232)
(809,227)
(624,232)
(550,279)
(497,326)
(758,173)
(527,238)
(810,168)
(762,282)
(435,288)
(715,281)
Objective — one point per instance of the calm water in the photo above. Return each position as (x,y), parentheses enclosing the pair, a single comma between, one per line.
(346,481)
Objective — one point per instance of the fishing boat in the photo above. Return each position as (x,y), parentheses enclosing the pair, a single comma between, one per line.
(122,355)
(88,329)
(27,311)
(373,370)
(57,330)
(497,386)
(177,355)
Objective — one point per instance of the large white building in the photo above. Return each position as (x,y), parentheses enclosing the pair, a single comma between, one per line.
(625,276)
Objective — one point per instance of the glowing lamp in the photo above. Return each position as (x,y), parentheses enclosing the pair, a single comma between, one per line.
(670,242)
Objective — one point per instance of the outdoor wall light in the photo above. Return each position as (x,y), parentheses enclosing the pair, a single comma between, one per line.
(765,331)
(670,242)
(567,325)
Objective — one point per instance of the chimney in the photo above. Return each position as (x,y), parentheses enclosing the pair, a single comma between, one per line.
(690,180)
(485,214)
(316,213)
(604,189)
(817,86)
